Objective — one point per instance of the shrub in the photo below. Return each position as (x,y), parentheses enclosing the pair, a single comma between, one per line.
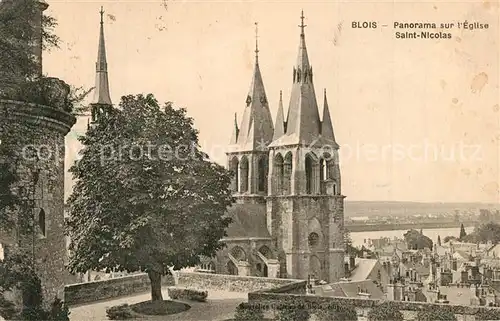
(120,312)
(488,315)
(248,312)
(293,313)
(386,311)
(187,294)
(337,312)
(59,311)
(442,313)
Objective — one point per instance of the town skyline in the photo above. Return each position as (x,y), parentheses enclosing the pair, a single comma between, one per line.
(433,101)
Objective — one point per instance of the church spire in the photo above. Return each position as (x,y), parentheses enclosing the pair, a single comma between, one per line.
(256,128)
(256,42)
(101,91)
(326,124)
(279,127)
(302,121)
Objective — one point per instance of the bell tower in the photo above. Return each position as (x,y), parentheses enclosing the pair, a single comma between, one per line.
(305,207)
(248,154)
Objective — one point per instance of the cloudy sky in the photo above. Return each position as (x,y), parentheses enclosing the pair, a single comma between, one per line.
(416,119)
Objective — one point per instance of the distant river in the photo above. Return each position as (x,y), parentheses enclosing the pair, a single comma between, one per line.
(359,237)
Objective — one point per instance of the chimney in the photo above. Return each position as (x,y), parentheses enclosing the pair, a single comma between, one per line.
(352,262)
(347,271)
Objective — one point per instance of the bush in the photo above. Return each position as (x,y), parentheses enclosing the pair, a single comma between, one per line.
(487,315)
(159,307)
(248,312)
(337,312)
(58,311)
(442,313)
(120,312)
(187,294)
(293,313)
(386,311)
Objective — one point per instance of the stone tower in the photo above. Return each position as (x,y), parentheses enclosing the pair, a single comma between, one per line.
(305,207)
(40,131)
(248,155)
(102,99)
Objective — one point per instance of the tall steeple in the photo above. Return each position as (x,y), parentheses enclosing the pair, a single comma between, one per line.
(303,122)
(101,92)
(256,130)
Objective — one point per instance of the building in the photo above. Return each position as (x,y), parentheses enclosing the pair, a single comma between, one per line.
(289,212)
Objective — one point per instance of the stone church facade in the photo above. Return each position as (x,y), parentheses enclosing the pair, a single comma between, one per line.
(289,212)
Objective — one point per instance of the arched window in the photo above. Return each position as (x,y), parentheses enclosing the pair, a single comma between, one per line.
(278,174)
(287,179)
(234,168)
(244,174)
(309,174)
(238,253)
(262,174)
(41,222)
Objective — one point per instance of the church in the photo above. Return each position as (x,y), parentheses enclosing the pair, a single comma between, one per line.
(289,212)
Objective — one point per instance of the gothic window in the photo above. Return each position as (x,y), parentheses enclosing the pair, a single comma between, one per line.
(234,166)
(244,175)
(238,253)
(262,174)
(278,174)
(287,179)
(263,100)
(309,174)
(41,222)
(313,239)
(298,74)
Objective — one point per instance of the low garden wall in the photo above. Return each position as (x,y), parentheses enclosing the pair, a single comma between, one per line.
(111,288)
(235,283)
(271,301)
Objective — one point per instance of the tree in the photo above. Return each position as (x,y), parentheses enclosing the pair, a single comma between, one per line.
(436,313)
(417,241)
(146,198)
(385,311)
(449,238)
(19,29)
(463,234)
(439,240)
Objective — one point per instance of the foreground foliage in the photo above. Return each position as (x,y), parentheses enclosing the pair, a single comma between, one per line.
(187,294)
(16,273)
(337,312)
(385,311)
(146,198)
(293,313)
(432,313)
(248,312)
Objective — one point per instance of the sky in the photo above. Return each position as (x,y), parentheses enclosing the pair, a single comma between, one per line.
(416,119)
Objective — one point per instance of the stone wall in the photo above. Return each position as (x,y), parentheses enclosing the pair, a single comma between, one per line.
(234,283)
(270,301)
(106,289)
(43,129)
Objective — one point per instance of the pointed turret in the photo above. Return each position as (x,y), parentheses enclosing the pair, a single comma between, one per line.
(303,122)
(256,130)
(102,97)
(326,124)
(279,127)
(234,137)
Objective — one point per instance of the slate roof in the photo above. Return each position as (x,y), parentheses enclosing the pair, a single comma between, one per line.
(351,289)
(249,220)
(363,269)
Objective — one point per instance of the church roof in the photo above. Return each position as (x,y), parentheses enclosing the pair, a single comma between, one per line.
(249,221)
(303,123)
(256,130)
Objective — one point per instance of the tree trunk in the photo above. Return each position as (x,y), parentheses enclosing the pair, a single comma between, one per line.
(155,279)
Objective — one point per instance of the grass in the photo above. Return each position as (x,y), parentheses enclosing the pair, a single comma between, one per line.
(165,307)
